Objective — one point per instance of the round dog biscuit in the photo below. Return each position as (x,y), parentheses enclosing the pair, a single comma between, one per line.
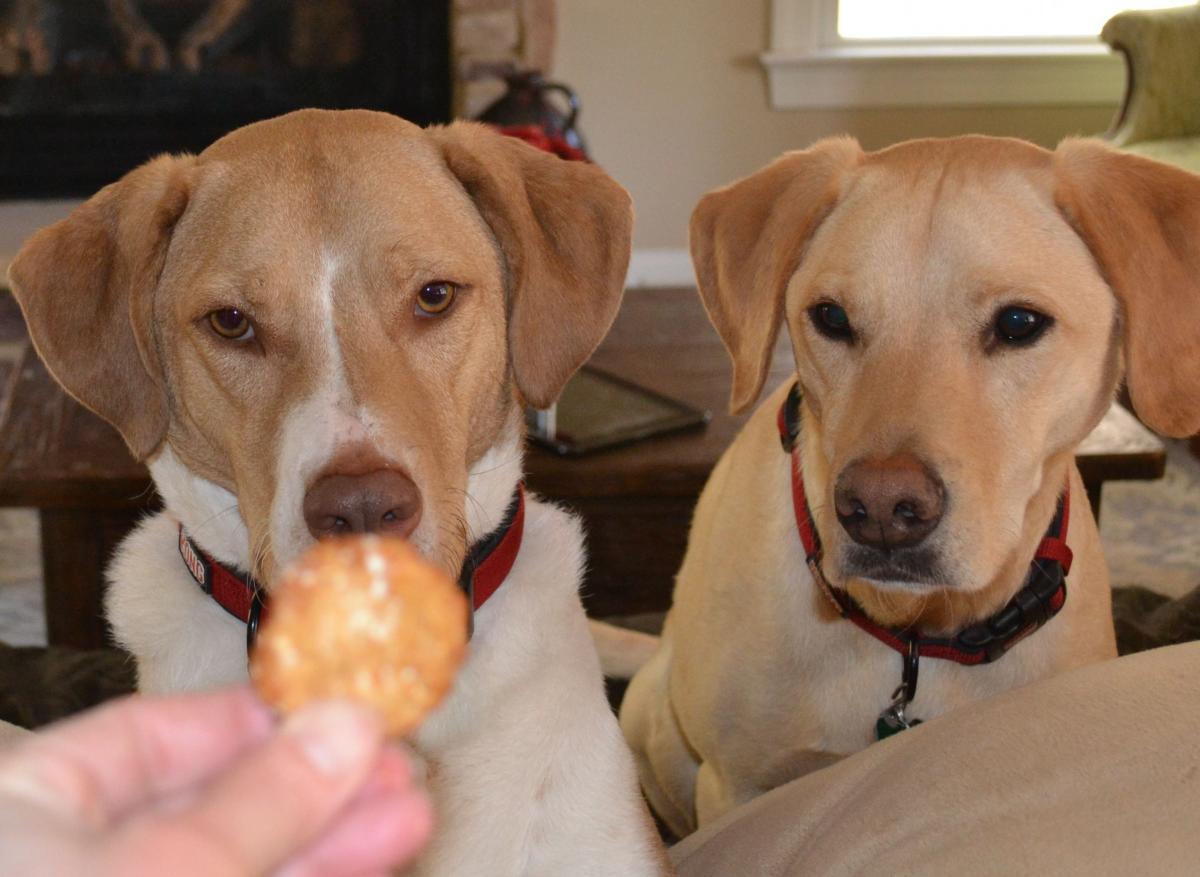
(365,618)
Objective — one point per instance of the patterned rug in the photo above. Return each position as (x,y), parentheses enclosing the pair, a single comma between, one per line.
(1151,529)
(22,621)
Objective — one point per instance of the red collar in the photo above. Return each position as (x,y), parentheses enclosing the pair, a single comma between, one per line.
(487,565)
(1041,598)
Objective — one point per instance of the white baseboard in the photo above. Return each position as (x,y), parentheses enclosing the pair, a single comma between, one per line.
(660,267)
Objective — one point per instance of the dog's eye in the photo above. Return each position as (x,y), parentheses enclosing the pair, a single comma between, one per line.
(831,320)
(231,323)
(1017,326)
(435,298)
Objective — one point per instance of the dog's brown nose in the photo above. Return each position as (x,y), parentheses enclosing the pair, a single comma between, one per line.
(891,503)
(384,501)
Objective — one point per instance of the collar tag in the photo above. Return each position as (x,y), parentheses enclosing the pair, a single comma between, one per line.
(196,565)
(893,720)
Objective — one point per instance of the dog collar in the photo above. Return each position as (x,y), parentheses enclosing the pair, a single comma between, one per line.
(484,570)
(1039,600)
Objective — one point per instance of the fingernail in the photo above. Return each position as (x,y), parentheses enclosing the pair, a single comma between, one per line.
(335,736)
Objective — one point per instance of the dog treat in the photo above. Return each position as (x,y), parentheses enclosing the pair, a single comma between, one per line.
(365,618)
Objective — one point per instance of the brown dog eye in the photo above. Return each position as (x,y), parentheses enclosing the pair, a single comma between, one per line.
(231,323)
(435,298)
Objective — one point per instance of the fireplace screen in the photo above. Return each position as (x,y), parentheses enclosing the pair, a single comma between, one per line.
(91,88)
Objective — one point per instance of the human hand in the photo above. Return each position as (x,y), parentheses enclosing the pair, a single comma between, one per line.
(209,785)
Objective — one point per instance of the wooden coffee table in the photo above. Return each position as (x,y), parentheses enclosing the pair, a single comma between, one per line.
(637,501)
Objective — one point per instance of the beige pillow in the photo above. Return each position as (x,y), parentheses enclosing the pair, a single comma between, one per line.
(1096,771)
(10,734)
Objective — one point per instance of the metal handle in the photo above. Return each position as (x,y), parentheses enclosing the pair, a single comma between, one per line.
(572,101)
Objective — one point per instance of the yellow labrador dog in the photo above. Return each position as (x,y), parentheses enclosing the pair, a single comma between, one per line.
(330,322)
(891,535)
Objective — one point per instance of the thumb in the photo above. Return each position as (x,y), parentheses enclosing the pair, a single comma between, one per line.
(271,803)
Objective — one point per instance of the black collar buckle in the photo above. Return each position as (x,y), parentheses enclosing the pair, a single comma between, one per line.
(257,601)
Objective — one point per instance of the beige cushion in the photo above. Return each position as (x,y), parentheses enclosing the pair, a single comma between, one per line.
(10,734)
(1093,772)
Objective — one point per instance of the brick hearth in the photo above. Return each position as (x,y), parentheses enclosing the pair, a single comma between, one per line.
(489,34)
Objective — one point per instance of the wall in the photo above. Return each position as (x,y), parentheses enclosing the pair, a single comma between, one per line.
(675,103)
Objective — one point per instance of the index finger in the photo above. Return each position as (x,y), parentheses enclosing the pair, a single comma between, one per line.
(95,767)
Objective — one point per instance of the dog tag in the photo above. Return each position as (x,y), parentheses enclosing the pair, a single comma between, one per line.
(893,719)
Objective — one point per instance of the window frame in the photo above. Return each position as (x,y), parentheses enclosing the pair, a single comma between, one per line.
(810,66)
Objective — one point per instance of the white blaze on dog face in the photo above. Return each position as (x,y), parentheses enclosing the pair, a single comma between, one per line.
(923,252)
(323,241)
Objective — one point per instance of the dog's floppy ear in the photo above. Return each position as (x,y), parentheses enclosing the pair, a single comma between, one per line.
(564,228)
(747,239)
(86,285)
(1141,221)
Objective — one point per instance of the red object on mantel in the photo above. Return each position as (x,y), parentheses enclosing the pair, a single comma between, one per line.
(526,111)
(535,136)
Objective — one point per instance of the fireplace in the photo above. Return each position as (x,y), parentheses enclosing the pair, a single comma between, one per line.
(89,89)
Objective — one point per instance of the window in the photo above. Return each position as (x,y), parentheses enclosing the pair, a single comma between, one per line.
(950,19)
(837,53)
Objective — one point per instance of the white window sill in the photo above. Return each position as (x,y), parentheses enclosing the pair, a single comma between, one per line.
(944,75)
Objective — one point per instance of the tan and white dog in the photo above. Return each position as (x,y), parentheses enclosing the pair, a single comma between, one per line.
(330,321)
(960,313)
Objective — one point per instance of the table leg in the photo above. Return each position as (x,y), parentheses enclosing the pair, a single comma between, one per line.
(76,547)
(1093,492)
(635,546)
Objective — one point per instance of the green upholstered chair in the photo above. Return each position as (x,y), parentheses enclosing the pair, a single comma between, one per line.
(1160,116)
